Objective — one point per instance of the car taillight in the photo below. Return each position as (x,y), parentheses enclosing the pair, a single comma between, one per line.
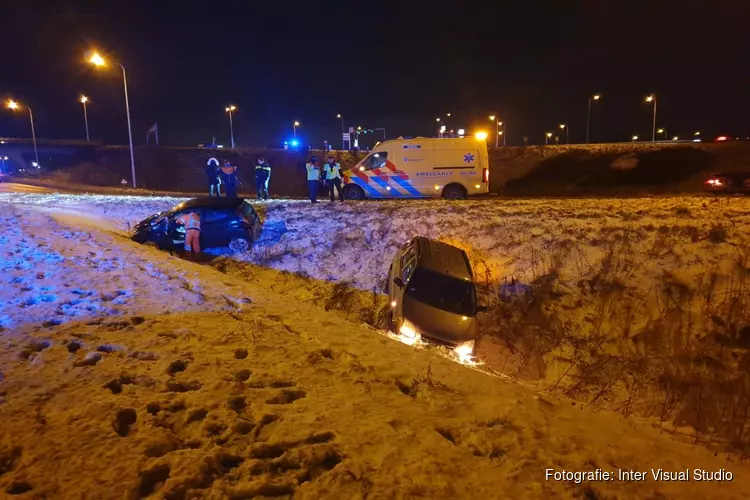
(486,175)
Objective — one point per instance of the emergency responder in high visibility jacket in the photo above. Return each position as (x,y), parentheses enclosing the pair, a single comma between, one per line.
(212,173)
(192,223)
(333,178)
(262,176)
(313,178)
(229,179)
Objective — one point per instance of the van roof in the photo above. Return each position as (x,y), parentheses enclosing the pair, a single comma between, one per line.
(432,140)
(443,258)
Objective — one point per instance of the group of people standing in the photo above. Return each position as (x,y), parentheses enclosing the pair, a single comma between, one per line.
(329,175)
(225,176)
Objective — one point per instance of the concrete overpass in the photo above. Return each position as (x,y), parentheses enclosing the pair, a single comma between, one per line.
(52,152)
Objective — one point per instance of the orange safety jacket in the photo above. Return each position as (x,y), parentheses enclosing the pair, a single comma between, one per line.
(190,220)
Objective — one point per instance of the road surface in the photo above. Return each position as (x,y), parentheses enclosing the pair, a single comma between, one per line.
(13,187)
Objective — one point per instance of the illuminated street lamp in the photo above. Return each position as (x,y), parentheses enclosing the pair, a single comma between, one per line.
(341,117)
(230,109)
(295,125)
(635,138)
(84,100)
(595,97)
(567,132)
(675,138)
(13,106)
(498,124)
(652,98)
(97,60)
(547,137)
(662,131)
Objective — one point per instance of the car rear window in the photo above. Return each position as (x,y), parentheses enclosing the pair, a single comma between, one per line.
(443,292)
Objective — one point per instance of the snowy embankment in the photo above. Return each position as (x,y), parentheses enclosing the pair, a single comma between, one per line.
(209,386)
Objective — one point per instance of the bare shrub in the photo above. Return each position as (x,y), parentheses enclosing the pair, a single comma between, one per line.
(717,233)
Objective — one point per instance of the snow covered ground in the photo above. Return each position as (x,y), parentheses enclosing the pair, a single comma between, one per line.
(162,377)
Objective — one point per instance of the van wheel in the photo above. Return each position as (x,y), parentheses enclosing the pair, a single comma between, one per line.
(454,192)
(354,193)
(239,245)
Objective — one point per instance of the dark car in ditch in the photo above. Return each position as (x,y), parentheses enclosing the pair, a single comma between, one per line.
(729,182)
(433,296)
(225,222)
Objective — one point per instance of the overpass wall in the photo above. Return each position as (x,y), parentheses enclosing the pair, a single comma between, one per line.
(524,171)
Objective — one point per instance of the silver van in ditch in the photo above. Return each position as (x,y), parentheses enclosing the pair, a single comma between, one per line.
(432,295)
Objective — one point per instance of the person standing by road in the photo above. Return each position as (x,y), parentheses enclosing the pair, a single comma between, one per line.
(333,178)
(229,179)
(262,176)
(192,223)
(212,173)
(313,178)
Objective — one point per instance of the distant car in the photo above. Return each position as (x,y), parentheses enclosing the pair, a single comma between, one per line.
(433,296)
(225,222)
(730,182)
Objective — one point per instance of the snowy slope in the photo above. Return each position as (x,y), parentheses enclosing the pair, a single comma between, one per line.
(199,384)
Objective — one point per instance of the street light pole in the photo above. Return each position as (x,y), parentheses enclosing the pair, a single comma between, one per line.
(98,60)
(588,115)
(295,125)
(341,117)
(652,98)
(567,132)
(13,105)
(84,100)
(130,130)
(33,137)
(229,110)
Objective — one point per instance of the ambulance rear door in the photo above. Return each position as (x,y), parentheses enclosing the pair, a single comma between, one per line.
(459,161)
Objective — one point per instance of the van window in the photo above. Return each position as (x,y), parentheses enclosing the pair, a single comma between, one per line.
(375,160)
(444,292)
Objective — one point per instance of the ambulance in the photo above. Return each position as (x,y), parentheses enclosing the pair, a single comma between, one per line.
(421,168)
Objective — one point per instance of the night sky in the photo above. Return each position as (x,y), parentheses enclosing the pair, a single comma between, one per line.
(397,65)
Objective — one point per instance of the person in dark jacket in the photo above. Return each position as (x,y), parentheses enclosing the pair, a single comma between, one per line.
(262,176)
(212,174)
(229,179)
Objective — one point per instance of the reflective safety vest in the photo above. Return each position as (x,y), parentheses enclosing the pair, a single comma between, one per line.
(333,171)
(190,220)
(313,172)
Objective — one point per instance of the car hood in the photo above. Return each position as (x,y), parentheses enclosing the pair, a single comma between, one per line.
(439,325)
(145,224)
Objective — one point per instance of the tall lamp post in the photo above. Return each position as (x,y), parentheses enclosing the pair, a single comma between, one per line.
(295,125)
(595,97)
(567,132)
(547,137)
(662,131)
(230,109)
(341,117)
(13,105)
(98,60)
(498,132)
(84,100)
(652,98)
